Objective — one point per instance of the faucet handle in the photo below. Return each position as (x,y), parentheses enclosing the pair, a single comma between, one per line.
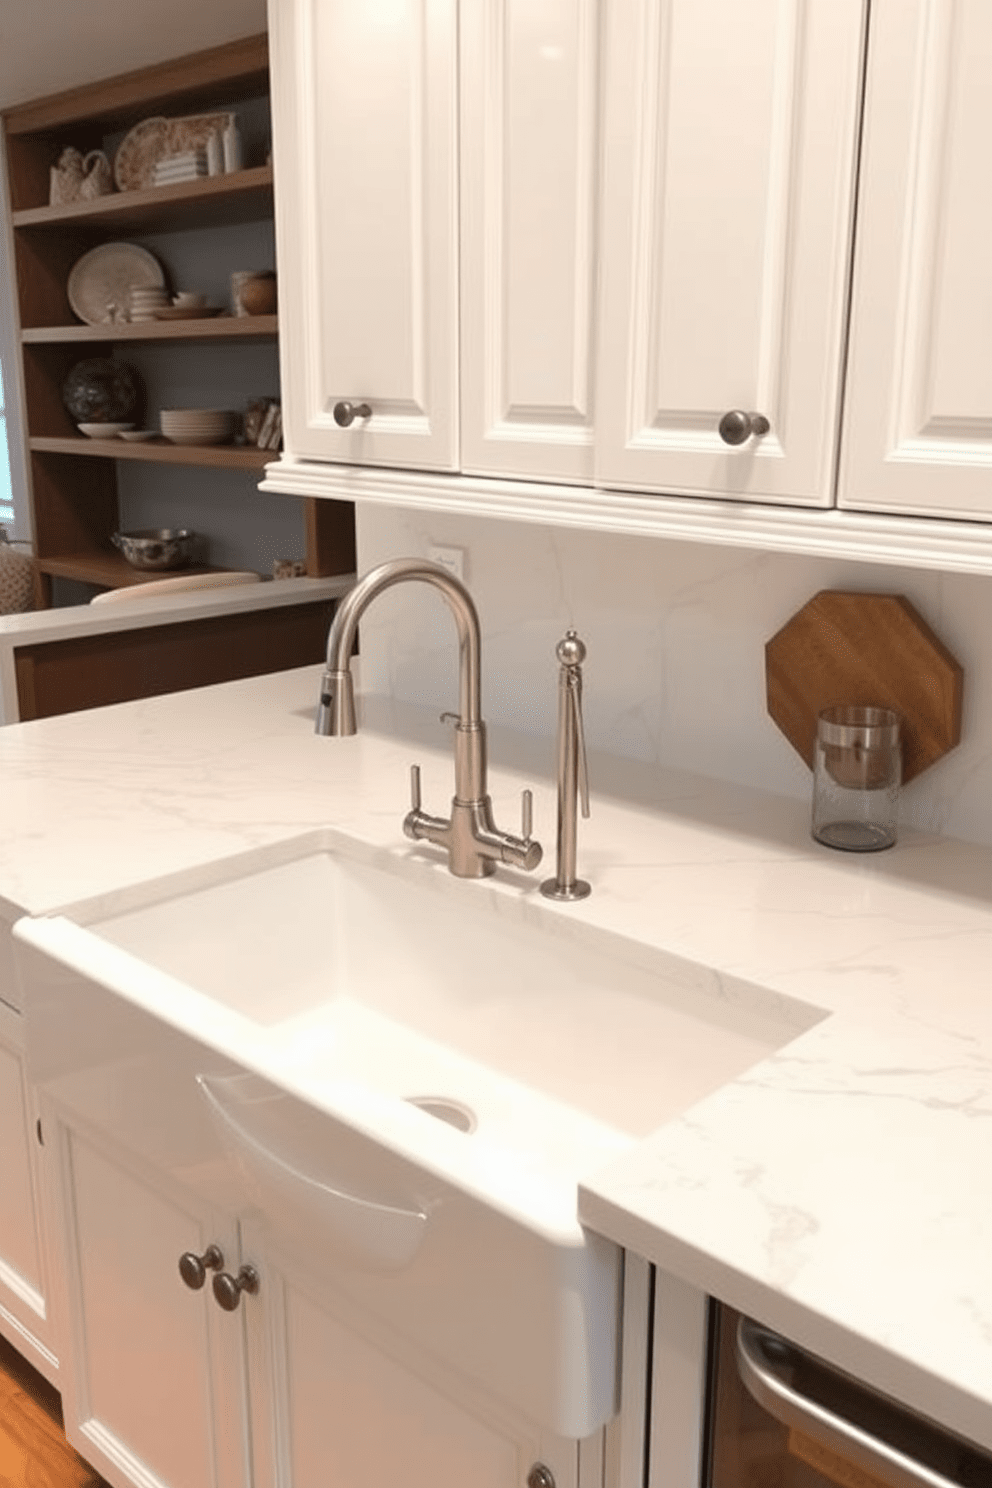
(414,787)
(527,814)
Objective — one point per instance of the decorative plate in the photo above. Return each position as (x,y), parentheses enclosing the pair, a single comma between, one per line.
(104,277)
(154,139)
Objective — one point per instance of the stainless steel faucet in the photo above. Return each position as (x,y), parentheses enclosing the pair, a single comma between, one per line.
(573,778)
(473,842)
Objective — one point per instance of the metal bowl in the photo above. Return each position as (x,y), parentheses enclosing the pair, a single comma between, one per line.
(156,547)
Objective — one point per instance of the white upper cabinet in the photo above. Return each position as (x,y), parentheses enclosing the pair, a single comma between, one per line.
(648,227)
(530,74)
(601,250)
(918,429)
(364,98)
(729,171)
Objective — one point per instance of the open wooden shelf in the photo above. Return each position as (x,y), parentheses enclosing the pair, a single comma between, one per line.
(111,570)
(223,328)
(211,201)
(76,502)
(221,456)
(183,85)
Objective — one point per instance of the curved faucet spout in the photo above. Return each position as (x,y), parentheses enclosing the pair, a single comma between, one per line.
(473,842)
(336,714)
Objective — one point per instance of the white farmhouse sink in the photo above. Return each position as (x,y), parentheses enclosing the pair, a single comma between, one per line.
(361,994)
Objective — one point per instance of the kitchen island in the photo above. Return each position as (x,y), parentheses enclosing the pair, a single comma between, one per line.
(837,1190)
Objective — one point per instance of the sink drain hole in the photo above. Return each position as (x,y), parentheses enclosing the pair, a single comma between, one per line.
(452,1112)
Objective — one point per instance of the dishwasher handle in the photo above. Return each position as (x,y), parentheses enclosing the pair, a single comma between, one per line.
(759,1371)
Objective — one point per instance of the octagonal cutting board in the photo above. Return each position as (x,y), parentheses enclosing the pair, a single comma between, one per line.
(870,650)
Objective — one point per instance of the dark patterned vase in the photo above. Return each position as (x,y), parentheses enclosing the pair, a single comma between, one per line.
(102,391)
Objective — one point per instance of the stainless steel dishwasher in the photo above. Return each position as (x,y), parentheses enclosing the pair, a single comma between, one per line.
(781,1418)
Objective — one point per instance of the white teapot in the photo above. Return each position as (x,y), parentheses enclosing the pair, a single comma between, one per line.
(79,177)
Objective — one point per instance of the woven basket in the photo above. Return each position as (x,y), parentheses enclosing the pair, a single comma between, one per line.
(16,579)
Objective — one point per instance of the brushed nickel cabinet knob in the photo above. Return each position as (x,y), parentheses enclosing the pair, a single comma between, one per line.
(193,1268)
(737,426)
(540,1477)
(228,1288)
(345,414)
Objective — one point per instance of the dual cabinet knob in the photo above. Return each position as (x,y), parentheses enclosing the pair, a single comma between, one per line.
(193,1268)
(736,427)
(227,1289)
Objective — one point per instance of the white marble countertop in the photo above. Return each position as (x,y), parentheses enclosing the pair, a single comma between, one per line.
(840,1190)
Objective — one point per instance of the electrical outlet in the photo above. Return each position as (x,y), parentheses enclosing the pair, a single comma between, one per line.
(453,559)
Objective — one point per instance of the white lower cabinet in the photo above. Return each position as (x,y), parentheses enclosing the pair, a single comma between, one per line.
(676,1412)
(152,1375)
(24,1312)
(338,1398)
(296,1387)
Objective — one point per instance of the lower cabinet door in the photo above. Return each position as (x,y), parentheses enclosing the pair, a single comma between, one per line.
(23,1308)
(153,1378)
(338,1402)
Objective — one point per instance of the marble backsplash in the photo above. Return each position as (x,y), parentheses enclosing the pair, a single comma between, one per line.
(675,633)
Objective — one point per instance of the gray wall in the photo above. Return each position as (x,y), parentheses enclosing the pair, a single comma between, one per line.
(49,45)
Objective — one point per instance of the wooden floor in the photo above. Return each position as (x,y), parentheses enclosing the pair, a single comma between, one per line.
(33,1450)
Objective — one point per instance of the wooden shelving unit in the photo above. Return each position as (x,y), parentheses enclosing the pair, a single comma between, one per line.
(73,479)
(109,571)
(224,328)
(158,451)
(244,197)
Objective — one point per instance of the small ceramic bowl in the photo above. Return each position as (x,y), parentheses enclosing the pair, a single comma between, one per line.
(103,431)
(156,547)
(137,436)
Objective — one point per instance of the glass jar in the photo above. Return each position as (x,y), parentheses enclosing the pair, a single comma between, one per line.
(857,772)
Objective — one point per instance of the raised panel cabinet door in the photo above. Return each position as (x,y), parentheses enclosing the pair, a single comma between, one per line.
(338,1401)
(23,1310)
(530,82)
(730,142)
(364,119)
(153,1373)
(917,434)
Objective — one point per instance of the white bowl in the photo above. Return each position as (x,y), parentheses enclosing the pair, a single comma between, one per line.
(197,415)
(103,431)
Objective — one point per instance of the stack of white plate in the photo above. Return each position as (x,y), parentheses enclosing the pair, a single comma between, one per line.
(144,300)
(187,166)
(198,425)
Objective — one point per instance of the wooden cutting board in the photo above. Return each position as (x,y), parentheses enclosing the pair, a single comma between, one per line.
(872,650)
